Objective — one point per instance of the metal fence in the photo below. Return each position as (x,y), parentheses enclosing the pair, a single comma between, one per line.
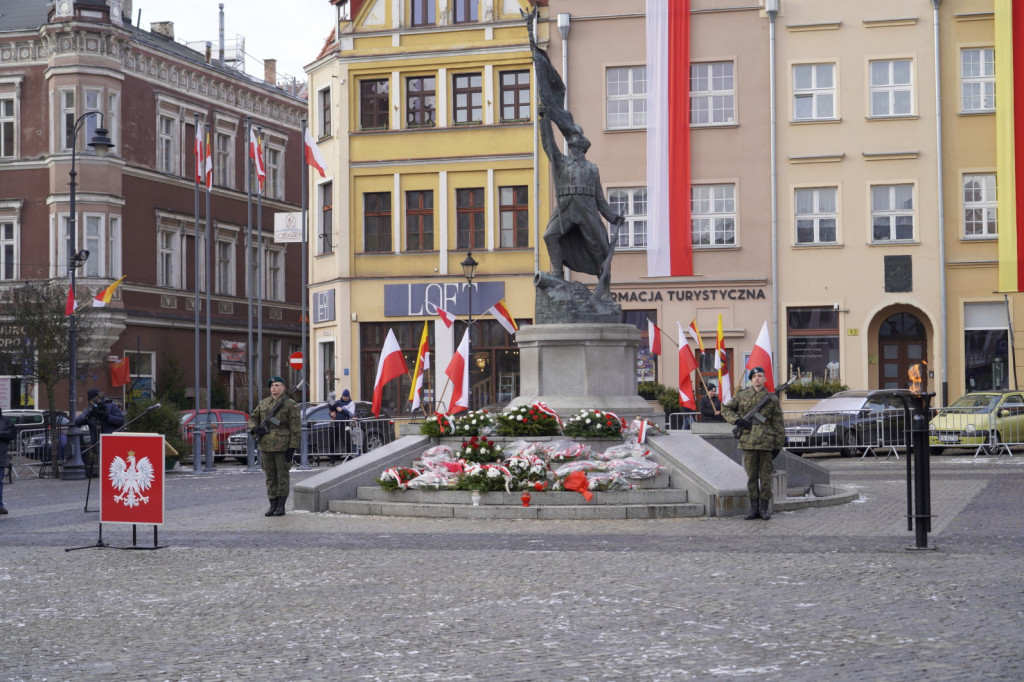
(334,441)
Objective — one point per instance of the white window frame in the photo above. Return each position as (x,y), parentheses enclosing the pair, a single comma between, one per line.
(274,158)
(713,211)
(9,122)
(223,158)
(977,79)
(66,101)
(95,243)
(224,252)
(816,214)
(274,357)
(112,120)
(273,287)
(985,200)
(888,87)
(814,92)
(114,246)
(630,203)
(12,243)
(719,98)
(324,233)
(92,100)
(324,127)
(167,144)
(626,97)
(892,214)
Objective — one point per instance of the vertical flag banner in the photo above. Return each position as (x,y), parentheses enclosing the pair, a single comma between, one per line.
(458,372)
(669,245)
(1009,67)
(761,356)
(120,374)
(390,366)
(422,365)
(687,365)
(209,163)
(103,298)
(503,316)
(71,304)
(722,365)
(256,154)
(695,334)
(313,156)
(199,154)
(653,337)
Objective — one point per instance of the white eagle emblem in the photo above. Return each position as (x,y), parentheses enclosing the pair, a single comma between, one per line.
(131,478)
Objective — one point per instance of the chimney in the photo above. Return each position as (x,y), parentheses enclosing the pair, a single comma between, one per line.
(270,71)
(126,11)
(164,28)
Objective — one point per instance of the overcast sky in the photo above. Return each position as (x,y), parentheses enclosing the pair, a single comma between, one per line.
(291,31)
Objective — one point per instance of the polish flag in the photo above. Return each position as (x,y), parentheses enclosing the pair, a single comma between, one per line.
(653,337)
(422,365)
(687,365)
(446,317)
(761,356)
(313,156)
(69,307)
(503,316)
(256,154)
(458,372)
(669,238)
(391,366)
(199,155)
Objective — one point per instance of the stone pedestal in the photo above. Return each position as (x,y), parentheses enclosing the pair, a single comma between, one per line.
(571,367)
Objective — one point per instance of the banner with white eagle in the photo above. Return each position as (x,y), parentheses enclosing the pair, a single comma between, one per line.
(132,478)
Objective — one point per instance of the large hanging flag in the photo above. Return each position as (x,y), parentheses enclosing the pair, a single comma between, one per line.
(390,366)
(722,365)
(103,298)
(687,366)
(761,356)
(422,365)
(669,240)
(654,337)
(313,156)
(71,305)
(503,316)
(1009,68)
(458,372)
(199,154)
(256,154)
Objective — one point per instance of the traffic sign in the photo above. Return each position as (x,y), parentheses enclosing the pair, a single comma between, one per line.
(295,360)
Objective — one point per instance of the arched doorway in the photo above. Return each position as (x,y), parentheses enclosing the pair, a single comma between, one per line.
(902,341)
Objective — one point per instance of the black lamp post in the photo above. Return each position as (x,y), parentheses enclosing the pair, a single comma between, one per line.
(469,270)
(74,468)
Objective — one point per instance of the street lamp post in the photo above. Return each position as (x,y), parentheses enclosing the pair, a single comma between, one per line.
(75,468)
(469,270)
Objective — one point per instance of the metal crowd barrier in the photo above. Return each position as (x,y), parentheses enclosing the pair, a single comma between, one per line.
(980,427)
(680,421)
(338,441)
(33,450)
(849,433)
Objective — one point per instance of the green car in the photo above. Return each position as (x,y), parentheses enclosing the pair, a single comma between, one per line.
(984,418)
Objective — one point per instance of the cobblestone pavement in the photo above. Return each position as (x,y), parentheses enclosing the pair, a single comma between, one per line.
(810,595)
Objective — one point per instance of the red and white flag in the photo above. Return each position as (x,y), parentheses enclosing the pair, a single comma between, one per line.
(199,155)
(71,304)
(761,356)
(458,372)
(446,317)
(390,366)
(687,365)
(504,317)
(422,365)
(654,337)
(669,239)
(256,154)
(313,156)
(209,163)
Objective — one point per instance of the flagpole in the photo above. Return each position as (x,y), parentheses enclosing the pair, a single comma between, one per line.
(250,446)
(208,249)
(197,437)
(304,425)
(259,286)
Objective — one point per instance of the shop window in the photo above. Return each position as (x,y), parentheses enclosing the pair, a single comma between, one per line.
(812,344)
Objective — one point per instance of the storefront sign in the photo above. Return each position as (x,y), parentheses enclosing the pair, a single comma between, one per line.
(287,228)
(323,306)
(232,356)
(671,295)
(404,300)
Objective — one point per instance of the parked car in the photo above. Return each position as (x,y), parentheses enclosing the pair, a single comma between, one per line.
(982,418)
(850,422)
(227,422)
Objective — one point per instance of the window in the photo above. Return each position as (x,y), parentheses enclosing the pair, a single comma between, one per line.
(712,99)
(275,172)
(168,259)
(419,221)
(324,100)
(67,114)
(143,384)
(892,213)
(978,80)
(167,145)
(891,88)
(325,226)
(225,267)
(8,251)
(95,242)
(93,102)
(274,260)
(631,203)
(465,11)
(274,357)
(980,205)
(627,97)
(421,104)
(467,96)
(114,245)
(515,96)
(814,92)
(377,222)
(713,215)
(7,128)
(986,341)
(373,104)
(224,160)
(423,12)
(812,343)
(469,218)
(514,216)
(816,215)
(113,120)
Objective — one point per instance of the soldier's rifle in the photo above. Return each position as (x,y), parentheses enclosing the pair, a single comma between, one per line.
(264,427)
(755,414)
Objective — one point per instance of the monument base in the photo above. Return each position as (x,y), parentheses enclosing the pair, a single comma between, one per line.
(573,367)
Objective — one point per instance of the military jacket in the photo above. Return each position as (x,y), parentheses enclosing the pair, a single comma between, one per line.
(284,428)
(771,434)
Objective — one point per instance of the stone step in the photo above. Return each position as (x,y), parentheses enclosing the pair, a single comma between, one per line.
(583,511)
(544,498)
(660,481)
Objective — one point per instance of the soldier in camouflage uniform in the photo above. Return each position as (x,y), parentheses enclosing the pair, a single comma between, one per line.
(278,442)
(760,442)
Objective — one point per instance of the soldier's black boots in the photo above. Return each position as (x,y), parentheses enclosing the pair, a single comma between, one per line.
(766,512)
(273,507)
(754,513)
(279,509)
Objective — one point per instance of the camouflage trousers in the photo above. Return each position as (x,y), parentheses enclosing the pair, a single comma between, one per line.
(276,466)
(758,465)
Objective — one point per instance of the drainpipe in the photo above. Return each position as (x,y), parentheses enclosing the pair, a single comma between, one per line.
(771,7)
(943,312)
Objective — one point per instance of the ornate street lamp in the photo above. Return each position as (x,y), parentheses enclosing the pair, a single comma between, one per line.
(74,468)
(469,270)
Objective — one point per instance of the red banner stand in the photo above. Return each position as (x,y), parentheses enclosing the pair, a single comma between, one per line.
(131,484)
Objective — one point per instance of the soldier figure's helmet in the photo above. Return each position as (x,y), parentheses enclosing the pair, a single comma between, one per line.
(578,139)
